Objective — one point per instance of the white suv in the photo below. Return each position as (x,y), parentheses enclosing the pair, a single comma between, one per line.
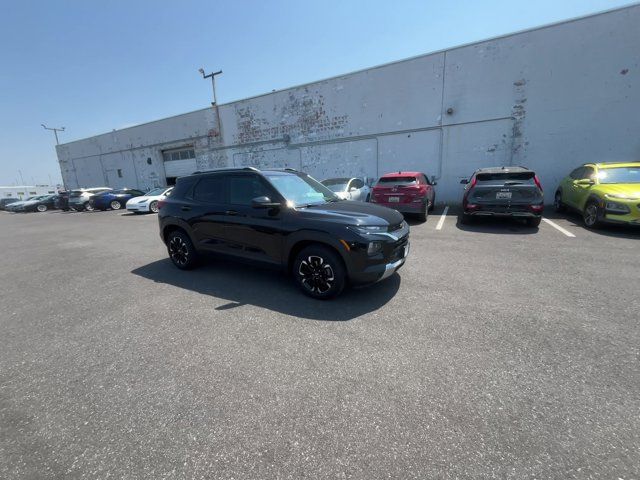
(79,199)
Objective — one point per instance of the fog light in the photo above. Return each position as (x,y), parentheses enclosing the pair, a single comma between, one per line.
(374,247)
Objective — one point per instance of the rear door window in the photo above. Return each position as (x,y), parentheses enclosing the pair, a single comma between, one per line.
(210,190)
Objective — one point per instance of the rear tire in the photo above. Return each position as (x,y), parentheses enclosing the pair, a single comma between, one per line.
(181,251)
(534,222)
(591,214)
(422,216)
(465,219)
(87,207)
(557,203)
(115,205)
(319,272)
(41,208)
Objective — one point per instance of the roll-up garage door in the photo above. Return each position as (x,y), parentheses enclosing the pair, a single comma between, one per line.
(179,162)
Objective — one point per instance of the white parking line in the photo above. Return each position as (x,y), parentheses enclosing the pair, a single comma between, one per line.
(442,218)
(558,227)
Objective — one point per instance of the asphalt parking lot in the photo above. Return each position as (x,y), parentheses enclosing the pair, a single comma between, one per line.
(497,351)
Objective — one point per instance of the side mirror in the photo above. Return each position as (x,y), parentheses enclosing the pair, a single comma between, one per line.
(433,181)
(464,181)
(263,202)
(585,182)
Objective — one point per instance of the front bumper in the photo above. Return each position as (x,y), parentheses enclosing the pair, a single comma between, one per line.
(364,270)
(632,217)
(138,207)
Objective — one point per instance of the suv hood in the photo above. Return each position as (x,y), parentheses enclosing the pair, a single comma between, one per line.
(630,190)
(352,213)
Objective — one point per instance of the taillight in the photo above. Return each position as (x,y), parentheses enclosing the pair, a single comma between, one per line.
(474,180)
(536,208)
(537,180)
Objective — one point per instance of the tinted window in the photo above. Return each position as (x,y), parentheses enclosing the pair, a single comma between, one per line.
(210,190)
(500,177)
(244,188)
(577,173)
(588,172)
(397,181)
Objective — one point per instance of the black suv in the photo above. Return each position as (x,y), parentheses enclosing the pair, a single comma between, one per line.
(503,192)
(283,218)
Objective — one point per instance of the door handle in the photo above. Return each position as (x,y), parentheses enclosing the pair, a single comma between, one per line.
(231,212)
(185,208)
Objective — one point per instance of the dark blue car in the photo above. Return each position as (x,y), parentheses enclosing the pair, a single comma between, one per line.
(114,199)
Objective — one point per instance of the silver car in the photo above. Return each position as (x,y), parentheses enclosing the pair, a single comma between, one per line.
(349,188)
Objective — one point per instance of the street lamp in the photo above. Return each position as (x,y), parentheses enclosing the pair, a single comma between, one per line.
(55,131)
(212,75)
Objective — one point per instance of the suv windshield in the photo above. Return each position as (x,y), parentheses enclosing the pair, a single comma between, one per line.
(155,191)
(619,175)
(301,189)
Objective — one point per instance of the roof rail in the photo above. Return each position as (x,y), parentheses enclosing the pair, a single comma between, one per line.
(226,169)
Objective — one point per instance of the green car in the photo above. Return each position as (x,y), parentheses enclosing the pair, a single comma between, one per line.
(603,193)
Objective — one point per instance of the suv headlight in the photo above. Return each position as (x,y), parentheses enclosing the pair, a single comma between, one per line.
(367,230)
(616,207)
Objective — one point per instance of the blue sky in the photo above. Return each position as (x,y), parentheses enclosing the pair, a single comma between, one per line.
(94,66)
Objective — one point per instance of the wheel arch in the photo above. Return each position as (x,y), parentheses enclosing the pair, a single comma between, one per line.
(296,245)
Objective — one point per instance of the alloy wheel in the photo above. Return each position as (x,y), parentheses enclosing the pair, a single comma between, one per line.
(154,207)
(316,275)
(88,207)
(591,215)
(179,251)
(115,205)
(42,208)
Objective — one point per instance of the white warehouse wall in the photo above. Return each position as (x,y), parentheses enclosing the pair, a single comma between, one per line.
(549,98)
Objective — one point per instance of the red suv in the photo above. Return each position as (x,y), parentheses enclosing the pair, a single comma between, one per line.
(406,192)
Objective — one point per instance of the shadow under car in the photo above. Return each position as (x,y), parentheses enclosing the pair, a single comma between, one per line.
(245,284)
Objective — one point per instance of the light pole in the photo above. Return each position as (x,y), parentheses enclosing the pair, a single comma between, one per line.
(212,75)
(55,131)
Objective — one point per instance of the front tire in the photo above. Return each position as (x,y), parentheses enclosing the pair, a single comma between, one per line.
(153,206)
(319,272)
(181,251)
(41,208)
(87,207)
(591,215)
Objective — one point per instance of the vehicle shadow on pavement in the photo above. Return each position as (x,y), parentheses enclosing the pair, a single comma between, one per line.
(500,226)
(243,284)
(607,229)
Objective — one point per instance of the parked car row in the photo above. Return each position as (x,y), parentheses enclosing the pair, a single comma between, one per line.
(89,199)
(406,192)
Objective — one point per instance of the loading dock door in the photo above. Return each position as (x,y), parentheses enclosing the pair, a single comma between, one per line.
(178,163)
